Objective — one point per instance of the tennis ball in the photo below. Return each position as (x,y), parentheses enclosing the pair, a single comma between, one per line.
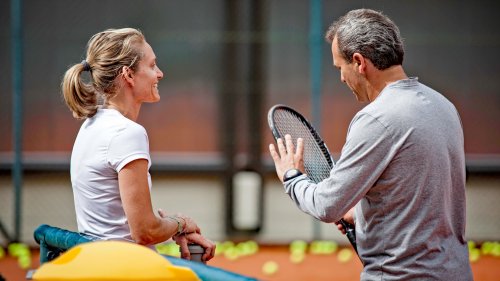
(496,250)
(253,247)
(344,255)
(2,252)
(169,249)
(226,245)
(232,253)
(244,248)
(329,247)
(471,244)
(270,267)
(24,262)
(474,254)
(297,257)
(315,247)
(18,249)
(299,246)
(487,248)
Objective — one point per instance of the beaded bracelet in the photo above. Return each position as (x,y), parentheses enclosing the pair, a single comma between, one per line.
(180,228)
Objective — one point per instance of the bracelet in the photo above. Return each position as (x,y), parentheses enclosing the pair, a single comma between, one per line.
(180,228)
(185,225)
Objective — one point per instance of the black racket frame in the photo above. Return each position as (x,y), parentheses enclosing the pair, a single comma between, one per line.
(349,228)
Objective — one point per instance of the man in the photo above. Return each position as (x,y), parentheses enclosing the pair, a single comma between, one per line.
(401,174)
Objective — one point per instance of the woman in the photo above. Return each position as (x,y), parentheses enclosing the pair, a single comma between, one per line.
(110,159)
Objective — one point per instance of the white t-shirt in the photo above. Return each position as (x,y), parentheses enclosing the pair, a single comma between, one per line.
(104,145)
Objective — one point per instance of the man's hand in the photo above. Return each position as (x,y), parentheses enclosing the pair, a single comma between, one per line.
(286,157)
(348,217)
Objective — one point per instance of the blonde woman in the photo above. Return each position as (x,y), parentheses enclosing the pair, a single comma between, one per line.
(110,160)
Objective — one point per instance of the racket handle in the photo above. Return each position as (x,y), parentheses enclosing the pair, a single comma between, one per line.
(350,232)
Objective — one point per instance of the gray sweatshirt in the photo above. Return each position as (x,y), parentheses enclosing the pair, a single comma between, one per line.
(403,168)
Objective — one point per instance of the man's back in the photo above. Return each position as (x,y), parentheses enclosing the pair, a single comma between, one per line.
(411,222)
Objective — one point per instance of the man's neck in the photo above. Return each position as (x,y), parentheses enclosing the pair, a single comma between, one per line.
(380,79)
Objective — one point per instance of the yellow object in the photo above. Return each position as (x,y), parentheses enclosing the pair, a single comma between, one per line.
(270,268)
(232,253)
(474,255)
(344,255)
(297,257)
(112,261)
(298,246)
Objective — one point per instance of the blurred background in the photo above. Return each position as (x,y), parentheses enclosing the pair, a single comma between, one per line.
(225,64)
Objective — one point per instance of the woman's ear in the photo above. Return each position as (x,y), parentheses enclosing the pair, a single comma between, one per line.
(128,75)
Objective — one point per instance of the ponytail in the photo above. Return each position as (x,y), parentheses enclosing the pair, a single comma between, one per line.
(107,52)
(80,97)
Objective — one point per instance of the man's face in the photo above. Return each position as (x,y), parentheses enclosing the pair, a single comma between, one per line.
(349,74)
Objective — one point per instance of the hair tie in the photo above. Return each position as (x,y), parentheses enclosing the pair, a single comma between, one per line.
(86,65)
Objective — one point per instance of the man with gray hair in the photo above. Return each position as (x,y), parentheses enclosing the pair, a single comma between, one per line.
(400,177)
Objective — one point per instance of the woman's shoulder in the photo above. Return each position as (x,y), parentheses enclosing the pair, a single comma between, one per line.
(120,123)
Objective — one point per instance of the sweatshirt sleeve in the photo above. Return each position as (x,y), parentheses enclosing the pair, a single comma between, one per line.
(368,150)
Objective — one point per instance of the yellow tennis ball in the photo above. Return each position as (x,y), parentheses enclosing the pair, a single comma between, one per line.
(270,267)
(315,247)
(232,253)
(297,257)
(486,248)
(471,244)
(298,246)
(474,254)
(24,262)
(253,247)
(496,250)
(330,247)
(2,252)
(344,255)
(244,248)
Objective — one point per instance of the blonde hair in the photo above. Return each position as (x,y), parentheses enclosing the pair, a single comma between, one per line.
(107,53)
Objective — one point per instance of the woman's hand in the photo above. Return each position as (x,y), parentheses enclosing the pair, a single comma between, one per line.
(184,239)
(188,224)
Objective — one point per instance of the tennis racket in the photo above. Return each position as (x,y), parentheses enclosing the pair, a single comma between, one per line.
(318,162)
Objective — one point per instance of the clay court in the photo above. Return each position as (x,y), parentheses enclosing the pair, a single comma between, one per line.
(313,267)
(226,63)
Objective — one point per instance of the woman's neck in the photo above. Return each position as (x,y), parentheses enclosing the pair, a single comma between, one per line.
(126,109)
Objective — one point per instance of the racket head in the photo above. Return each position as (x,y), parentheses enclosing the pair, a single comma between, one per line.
(285,120)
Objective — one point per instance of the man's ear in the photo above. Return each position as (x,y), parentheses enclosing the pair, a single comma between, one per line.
(360,62)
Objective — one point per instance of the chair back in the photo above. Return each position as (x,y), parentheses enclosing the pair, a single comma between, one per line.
(53,241)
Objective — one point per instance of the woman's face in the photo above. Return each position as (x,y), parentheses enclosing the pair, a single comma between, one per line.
(147,76)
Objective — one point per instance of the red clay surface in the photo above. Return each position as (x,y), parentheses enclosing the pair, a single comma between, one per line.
(313,267)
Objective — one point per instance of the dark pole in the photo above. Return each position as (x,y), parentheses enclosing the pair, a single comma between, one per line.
(17,85)
(315,43)
(256,88)
(257,77)
(227,105)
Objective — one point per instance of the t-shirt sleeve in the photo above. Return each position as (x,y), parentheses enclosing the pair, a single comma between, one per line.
(129,144)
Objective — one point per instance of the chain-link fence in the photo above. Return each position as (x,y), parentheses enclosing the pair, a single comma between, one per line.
(225,64)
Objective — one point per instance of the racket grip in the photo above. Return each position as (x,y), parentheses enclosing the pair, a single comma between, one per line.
(350,232)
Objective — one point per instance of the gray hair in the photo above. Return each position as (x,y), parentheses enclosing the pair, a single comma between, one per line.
(370,33)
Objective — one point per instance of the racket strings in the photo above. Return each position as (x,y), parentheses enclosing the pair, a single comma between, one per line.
(317,161)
